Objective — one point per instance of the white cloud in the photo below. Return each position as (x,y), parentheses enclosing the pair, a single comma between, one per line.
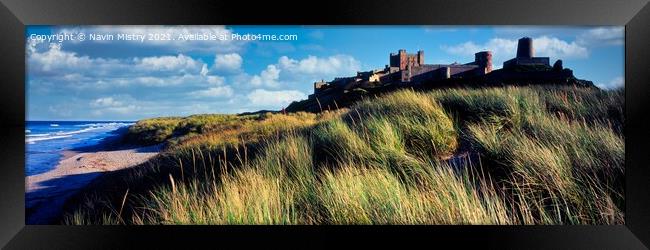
(498,46)
(74,77)
(54,59)
(229,62)
(612,84)
(221,91)
(77,72)
(268,77)
(215,80)
(33,45)
(123,109)
(602,36)
(151,81)
(105,102)
(274,99)
(173,80)
(556,48)
(104,105)
(584,36)
(179,64)
(504,49)
(337,64)
(292,73)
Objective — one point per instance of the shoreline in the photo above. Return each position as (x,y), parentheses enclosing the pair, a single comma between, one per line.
(46,193)
(109,143)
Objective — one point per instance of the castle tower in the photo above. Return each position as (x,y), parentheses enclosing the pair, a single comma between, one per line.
(420,57)
(402,60)
(318,86)
(526,55)
(484,60)
(525,48)
(398,59)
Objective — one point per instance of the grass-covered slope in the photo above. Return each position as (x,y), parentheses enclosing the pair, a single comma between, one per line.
(534,155)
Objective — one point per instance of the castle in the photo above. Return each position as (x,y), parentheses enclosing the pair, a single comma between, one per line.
(410,69)
(407,69)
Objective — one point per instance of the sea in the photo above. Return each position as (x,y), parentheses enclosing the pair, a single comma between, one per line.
(45,141)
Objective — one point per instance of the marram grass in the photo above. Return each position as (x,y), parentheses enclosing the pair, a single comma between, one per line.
(537,155)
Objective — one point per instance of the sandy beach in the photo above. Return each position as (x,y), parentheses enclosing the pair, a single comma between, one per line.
(46,193)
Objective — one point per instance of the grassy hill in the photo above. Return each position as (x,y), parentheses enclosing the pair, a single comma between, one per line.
(513,155)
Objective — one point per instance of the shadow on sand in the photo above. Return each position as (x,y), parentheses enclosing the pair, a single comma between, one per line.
(45,204)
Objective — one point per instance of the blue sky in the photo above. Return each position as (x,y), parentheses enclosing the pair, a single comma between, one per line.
(130,80)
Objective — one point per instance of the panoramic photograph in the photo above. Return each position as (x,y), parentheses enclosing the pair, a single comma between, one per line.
(324,125)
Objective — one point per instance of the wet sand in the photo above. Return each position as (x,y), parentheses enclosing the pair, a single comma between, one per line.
(46,193)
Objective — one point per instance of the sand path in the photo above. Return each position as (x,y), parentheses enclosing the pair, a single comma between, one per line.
(46,193)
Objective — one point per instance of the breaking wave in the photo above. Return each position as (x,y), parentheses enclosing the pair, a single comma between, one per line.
(31,138)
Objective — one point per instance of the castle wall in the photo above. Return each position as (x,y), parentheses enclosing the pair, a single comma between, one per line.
(417,73)
(457,70)
(433,72)
(526,61)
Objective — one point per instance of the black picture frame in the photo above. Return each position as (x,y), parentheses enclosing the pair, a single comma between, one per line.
(16,14)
